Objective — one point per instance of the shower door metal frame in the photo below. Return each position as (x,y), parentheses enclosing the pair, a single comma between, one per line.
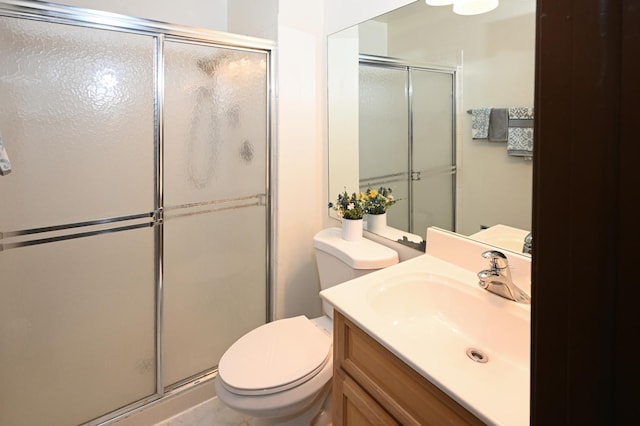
(160,31)
(407,67)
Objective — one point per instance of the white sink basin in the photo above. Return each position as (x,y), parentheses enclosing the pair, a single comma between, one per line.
(414,297)
(453,313)
(471,343)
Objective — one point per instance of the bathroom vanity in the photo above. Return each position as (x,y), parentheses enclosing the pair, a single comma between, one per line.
(422,343)
(373,386)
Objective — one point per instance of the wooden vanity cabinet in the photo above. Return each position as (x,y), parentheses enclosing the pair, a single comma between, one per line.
(372,386)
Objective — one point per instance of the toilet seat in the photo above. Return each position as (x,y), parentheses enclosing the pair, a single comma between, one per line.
(275,357)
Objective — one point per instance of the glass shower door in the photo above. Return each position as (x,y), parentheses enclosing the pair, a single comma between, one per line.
(384,136)
(134,223)
(77,269)
(407,142)
(215,214)
(433,150)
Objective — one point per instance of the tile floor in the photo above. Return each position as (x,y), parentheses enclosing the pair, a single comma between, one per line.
(208,413)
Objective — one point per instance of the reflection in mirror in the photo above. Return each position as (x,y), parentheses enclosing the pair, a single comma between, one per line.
(506,237)
(406,128)
(491,59)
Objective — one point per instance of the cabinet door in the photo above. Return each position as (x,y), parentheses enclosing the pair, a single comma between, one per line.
(354,406)
(394,386)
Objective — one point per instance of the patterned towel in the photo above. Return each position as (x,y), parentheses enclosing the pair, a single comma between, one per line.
(5,164)
(520,137)
(521,113)
(520,142)
(480,123)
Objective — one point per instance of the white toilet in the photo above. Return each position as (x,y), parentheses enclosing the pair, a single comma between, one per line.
(280,373)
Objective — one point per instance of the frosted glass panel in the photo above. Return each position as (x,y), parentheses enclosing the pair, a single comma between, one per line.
(77,119)
(407,144)
(215,286)
(76,328)
(432,104)
(384,120)
(215,135)
(384,136)
(433,150)
(433,202)
(398,215)
(215,125)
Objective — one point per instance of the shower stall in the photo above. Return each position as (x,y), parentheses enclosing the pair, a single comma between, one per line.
(407,140)
(135,221)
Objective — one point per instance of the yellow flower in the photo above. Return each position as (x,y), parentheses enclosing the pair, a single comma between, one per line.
(378,200)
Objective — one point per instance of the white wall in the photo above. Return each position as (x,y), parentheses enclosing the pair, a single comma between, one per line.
(300,205)
(341,14)
(210,14)
(253,18)
(373,38)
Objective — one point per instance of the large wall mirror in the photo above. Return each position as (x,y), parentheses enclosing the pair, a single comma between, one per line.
(404,89)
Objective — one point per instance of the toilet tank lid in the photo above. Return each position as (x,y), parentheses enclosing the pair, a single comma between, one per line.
(361,254)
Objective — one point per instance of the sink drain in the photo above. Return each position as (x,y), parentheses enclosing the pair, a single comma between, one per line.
(477,355)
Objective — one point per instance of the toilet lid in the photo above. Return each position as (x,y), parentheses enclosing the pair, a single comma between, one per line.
(275,357)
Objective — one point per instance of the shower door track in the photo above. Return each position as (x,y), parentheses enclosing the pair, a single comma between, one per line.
(160,31)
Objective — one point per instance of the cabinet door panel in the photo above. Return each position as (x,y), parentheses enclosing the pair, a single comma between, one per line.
(397,388)
(354,406)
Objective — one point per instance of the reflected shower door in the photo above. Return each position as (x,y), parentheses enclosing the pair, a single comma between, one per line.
(215,219)
(407,142)
(77,271)
(433,150)
(384,136)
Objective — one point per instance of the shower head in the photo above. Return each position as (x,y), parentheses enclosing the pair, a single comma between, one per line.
(209,65)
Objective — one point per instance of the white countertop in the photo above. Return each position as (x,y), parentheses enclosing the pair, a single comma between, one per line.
(497,392)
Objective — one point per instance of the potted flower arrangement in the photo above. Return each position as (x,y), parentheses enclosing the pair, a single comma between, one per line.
(377,203)
(379,200)
(351,208)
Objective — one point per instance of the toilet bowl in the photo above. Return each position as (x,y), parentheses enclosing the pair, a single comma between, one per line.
(280,373)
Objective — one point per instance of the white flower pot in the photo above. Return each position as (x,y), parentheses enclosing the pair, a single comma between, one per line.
(376,223)
(352,229)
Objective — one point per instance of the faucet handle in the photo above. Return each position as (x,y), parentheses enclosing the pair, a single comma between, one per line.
(497,258)
(486,276)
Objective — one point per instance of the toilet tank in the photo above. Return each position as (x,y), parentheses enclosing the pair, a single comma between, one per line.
(339,260)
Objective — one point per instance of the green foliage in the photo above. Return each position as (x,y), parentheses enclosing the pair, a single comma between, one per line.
(350,206)
(378,200)
(356,205)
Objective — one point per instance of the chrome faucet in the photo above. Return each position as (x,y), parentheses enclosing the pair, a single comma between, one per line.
(497,279)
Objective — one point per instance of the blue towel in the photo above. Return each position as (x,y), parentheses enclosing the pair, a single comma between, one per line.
(480,123)
(5,164)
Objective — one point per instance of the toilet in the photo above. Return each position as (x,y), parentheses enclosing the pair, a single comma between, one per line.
(280,373)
